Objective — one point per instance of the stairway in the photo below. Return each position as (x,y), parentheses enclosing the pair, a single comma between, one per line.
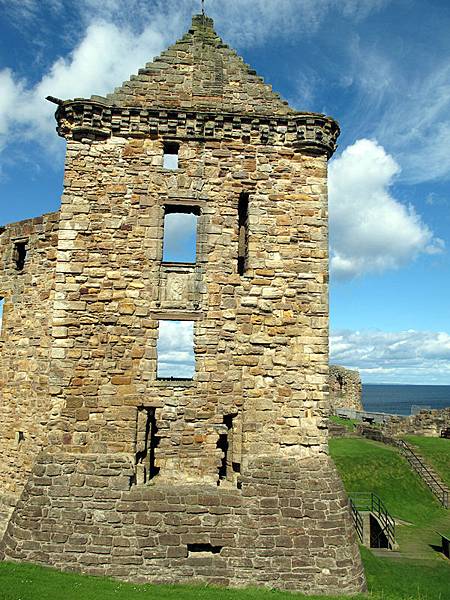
(371,504)
(425,472)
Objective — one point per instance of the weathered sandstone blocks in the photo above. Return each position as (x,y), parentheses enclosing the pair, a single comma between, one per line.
(288,526)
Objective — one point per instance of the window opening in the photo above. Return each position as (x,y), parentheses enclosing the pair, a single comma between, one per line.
(225,443)
(20,437)
(243,232)
(170,159)
(175,350)
(147,441)
(180,234)
(20,254)
(2,304)
(204,548)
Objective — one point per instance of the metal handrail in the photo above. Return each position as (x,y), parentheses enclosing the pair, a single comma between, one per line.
(443,497)
(357,520)
(371,502)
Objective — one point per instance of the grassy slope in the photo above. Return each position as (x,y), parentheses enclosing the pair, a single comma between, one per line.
(367,466)
(349,424)
(395,579)
(370,466)
(436,451)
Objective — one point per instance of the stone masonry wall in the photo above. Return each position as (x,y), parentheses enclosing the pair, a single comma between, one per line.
(25,346)
(288,527)
(260,338)
(427,422)
(345,388)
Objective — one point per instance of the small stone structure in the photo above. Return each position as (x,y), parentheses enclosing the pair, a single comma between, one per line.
(345,388)
(222,478)
(429,423)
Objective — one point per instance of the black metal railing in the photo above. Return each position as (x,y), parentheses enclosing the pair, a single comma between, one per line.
(357,520)
(370,502)
(424,472)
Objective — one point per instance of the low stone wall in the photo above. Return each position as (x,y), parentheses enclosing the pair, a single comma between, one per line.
(345,388)
(288,526)
(429,423)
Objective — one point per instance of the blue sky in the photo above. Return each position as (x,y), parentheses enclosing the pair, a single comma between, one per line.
(380,67)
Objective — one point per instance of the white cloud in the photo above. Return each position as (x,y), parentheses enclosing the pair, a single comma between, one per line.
(243,22)
(105,57)
(403,99)
(371,231)
(10,94)
(122,35)
(175,349)
(397,357)
(416,125)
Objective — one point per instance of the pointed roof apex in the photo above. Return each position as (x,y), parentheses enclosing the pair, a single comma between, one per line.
(202,24)
(200,72)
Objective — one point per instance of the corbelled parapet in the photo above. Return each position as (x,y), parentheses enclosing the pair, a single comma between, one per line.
(312,133)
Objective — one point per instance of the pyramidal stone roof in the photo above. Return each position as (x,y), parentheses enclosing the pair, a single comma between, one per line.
(200,72)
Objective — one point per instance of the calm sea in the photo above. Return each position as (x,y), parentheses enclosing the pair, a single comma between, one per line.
(398,399)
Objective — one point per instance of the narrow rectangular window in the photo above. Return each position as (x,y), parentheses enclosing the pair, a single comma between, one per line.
(175,350)
(2,303)
(226,443)
(170,159)
(20,254)
(180,234)
(147,442)
(243,232)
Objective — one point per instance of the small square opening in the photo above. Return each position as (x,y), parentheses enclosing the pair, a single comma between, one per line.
(170,158)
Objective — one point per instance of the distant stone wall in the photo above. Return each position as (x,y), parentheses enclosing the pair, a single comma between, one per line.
(274,531)
(429,423)
(345,388)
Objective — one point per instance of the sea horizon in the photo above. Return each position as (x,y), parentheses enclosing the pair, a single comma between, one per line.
(404,398)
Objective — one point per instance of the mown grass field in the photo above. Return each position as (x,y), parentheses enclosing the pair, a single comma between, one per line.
(349,424)
(387,580)
(422,573)
(436,451)
(368,466)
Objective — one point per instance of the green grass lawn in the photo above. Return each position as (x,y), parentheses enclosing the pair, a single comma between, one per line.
(436,451)
(367,466)
(349,424)
(388,580)
(396,579)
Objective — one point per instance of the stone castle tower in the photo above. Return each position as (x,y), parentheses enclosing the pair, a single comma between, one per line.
(224,476)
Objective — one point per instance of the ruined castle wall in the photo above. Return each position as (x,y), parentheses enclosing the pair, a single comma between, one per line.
(429,423)
(288,527)
(27,262)
(260,337)
(345,388)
